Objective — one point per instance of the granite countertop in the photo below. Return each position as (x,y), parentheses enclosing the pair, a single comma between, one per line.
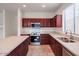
(72,47)
(9,44)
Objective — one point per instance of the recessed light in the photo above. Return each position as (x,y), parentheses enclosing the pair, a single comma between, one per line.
(43,6)
(24,5)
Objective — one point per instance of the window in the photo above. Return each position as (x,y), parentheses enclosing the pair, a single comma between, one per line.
(68,16)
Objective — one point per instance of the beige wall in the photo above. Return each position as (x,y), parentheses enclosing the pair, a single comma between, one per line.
(37,14)
(19,20)
(1,25)
(61,8)
(10,23)
(1,18)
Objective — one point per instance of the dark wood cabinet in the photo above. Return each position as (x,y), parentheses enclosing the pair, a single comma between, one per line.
(52,23)
(56,21)
(20,50)
(52,43)
(58,51)
(29,39)
(56,47)
(44,22)
(24,22)
(48,23)
(44,38)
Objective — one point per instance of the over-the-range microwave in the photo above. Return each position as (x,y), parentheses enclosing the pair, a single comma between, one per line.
(35,25)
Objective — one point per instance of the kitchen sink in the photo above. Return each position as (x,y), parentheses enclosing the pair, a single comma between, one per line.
(65,39)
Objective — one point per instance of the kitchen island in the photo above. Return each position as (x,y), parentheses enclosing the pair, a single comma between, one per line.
(14,46)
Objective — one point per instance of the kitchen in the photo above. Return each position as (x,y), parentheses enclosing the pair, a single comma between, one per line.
(33,25)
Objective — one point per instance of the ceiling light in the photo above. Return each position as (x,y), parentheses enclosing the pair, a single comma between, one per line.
(24,5)
(43,6)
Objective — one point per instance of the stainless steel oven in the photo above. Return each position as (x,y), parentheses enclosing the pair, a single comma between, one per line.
(35,34)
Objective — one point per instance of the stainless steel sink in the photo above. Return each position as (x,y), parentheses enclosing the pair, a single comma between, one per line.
(65,39)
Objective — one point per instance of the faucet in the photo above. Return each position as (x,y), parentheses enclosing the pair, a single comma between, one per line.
(71,37)
(69,33)
(66,31)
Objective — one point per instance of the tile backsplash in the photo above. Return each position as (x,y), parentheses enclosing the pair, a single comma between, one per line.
(44,30)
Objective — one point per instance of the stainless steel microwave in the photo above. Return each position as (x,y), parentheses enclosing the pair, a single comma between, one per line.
(35,25)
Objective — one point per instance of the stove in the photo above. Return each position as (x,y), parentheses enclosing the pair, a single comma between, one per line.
(35,34)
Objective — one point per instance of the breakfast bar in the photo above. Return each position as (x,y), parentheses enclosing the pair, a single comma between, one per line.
(14,46)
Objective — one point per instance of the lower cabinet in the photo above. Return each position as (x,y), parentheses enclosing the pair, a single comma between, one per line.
(56,47)
(44,39)
(20,50)
(29,39)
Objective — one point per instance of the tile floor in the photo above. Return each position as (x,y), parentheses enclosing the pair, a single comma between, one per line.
(41,50)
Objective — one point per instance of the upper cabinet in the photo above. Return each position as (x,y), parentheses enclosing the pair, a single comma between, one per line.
(56,21)
(24,22)
(44,22)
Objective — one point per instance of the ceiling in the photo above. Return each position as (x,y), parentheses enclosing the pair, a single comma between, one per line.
(30,7)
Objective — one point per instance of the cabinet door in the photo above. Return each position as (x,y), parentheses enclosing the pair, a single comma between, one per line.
(29,23)
(24,23)
(58,51)
(38,20)
(52,44)
(59,21)
(41,22)
(56,47)
(44,22)
(44,39)
(47,22)
(52,22)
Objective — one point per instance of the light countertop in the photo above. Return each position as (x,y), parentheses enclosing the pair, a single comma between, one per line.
(72,47)
(9,44)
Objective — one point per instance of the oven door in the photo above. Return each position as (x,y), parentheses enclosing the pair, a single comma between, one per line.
(35,38)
